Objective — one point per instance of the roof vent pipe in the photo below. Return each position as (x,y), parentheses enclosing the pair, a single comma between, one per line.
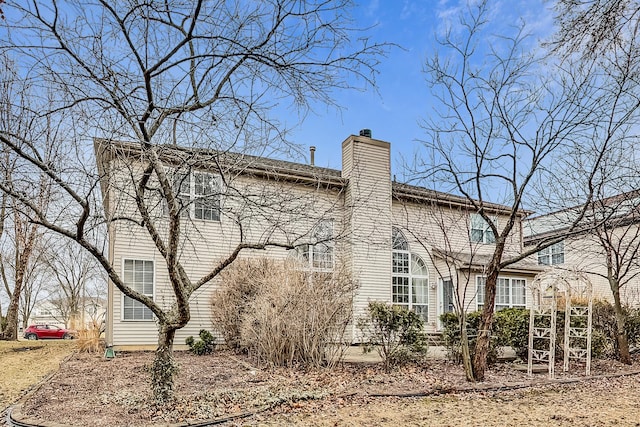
(312,150)
(365,132)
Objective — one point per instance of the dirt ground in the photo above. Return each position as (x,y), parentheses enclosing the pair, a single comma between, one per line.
(92,391)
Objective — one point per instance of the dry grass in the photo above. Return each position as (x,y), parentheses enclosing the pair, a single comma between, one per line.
(26,363)
(89,339)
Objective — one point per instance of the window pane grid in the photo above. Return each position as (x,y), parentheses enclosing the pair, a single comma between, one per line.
(322,256)
(182,191)
(502,292)
(477,235)
(398,241)
(422,311)
(207,199)
(480,283)
(400,262)
(410,282)
(552,255)
(481,231)
(419,290)
(509,293)
(319,256)
(518,292)
(200,189)
(400,289)
(138,275)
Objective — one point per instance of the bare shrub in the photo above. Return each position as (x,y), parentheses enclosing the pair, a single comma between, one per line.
(294,317)
(239,288)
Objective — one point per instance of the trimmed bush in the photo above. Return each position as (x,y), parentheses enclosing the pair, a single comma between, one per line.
(511,328)
(205,345)
(633,326)
(395,332)
(604,322)
(451,336)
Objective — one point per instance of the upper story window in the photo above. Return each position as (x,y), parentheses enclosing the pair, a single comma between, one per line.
(481,231)
(197,194)
(398,241)
(409,277)
(552,255)
(319,256)
(138,275)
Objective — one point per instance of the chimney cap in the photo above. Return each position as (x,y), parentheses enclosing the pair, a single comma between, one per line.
(365,132)
(312,151)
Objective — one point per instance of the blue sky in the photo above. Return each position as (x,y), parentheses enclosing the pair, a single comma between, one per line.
(403,96)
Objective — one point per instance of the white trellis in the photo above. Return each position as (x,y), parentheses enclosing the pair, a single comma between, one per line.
(575,291)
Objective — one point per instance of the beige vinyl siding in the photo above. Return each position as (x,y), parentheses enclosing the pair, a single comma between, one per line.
(205,243)
(366,164)
(446,228)
(585,253)
(363,215)
(428,227)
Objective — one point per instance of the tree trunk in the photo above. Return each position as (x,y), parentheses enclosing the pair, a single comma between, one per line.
(464,347)
(164,366)
(11,331)
(483,341)
(621,330)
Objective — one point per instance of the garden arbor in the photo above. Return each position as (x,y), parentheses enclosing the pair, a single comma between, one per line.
(550,290)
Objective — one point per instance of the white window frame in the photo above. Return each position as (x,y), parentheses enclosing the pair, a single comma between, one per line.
(404,281)
(192,199)
(209,201)
(441,297)
(442,282)
(319,256)
(137,303)
(478,223)
(507,295)
(552,255)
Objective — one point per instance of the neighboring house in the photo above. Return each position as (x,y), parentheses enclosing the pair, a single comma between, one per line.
(48,312)
(608,236)
(403,244)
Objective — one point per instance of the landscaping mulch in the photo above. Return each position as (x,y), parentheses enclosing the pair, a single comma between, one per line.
(90,390)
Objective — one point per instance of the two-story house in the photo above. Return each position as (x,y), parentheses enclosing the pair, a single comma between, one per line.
(605,245)
(403,244)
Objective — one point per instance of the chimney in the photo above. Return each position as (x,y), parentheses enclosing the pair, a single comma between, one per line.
(312,150)
(365,132)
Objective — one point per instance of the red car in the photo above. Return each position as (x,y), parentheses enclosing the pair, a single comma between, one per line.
(38,332)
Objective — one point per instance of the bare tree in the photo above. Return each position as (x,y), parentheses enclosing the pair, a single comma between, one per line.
(19,236)
(605,34)
(506,124)
(73,270)
(591,28)
(197,74)
(35,282)
(441,226)
(617,237)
